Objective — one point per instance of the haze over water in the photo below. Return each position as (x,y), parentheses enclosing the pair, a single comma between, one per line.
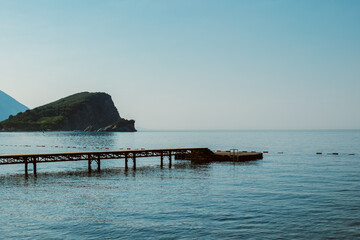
(294,195)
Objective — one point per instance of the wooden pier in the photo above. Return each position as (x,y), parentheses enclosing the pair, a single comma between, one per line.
(199,154)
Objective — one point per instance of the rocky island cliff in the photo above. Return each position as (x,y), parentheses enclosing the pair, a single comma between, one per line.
(82,111)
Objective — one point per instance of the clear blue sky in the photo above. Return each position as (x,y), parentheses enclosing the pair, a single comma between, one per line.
(190,64)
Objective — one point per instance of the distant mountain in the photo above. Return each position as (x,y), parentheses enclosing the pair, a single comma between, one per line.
(82,111)
(9,106)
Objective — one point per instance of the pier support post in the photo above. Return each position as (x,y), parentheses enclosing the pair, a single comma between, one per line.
(161,160)
(26,167)
(170,160)
(89,163)
(98,162)
(126,162)
(34,162)
(134,161)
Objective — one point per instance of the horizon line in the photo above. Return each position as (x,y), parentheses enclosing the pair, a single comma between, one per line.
(184,130)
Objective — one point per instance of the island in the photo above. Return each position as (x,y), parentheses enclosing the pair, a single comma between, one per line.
(85,111)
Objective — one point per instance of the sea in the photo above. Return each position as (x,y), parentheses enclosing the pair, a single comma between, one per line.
(292,193)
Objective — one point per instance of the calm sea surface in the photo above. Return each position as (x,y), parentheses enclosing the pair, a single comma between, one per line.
(293,195)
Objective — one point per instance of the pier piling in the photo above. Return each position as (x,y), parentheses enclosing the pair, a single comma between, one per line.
(98,162)
(161,160)
(34,164)
(170,161)
(26,167)
(134,162)
(126,162)
(89,163)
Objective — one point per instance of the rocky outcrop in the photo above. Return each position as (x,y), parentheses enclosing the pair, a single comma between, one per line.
(82,111)
(95,112)
(120,126)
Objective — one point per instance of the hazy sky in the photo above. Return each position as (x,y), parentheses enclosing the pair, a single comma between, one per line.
(190,64)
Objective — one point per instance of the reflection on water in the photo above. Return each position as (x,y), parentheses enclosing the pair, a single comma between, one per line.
(107,173)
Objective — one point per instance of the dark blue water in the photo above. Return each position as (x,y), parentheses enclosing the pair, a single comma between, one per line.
(294,195)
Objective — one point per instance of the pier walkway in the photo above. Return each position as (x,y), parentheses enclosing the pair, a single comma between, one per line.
(194,154)
(95,156)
